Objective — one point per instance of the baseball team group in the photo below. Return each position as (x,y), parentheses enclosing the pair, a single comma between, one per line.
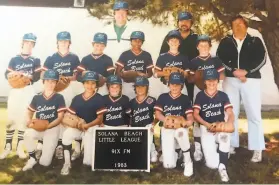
(116,93)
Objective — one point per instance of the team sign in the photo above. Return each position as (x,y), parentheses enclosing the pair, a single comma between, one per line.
(121,149)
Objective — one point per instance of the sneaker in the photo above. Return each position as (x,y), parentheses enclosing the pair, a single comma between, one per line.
(232,150)
(38,154)
(198,152)
(153,158)
(223,173)
(257,156)
(75,155)
(29,165)
(66,169)
(59,152)
(6,151)
(188,169)
(21,154)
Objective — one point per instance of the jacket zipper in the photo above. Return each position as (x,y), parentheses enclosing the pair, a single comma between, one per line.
(237,52)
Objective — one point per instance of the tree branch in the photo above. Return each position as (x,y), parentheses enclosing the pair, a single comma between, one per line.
(219,14)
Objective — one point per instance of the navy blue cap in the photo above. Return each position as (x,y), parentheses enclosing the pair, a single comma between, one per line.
(174,34)
(184,16)
(210,74)
(51,75)
(137,35)
(113,79)
(141,81)
(64,35)
(29,37)
(203,38)
(176,78)
(120,5)
(100,38)
(90,76)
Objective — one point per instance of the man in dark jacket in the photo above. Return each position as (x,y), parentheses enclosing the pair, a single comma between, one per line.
(243,56)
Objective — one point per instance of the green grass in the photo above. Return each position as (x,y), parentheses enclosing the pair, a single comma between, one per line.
(240,169)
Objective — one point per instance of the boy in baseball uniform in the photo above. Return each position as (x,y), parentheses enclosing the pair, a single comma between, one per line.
(20,98)
(171,59)
(202,62)
(65,63)
(142,111)
(98,62)
(209,108)
(116,103)
(174,103)
(134,59)
(48,106)
(89,106)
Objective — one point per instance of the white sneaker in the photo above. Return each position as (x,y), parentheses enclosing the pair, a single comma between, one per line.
(232,150)
(223,173)
(198,152)
(66,169)
(188,169)
(153,157)
(29,165)
(59,152)
(21,154)
(6,151)
(38,154)
(75,155)
(257,156)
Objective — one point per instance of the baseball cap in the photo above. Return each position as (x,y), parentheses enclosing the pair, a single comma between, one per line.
(210,74)
(29,37)
(51,75)
(114,79)
(90,76)
(137,35)
(174,34)
(141,81)
(120,5)
(64,35)
(184,16)
(176,78)
(100,38)
(203,38)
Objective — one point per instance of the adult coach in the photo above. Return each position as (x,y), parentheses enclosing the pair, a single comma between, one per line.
(243,56)
(119,32)
(187,46)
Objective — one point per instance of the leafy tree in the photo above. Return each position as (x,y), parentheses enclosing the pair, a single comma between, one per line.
(262,15)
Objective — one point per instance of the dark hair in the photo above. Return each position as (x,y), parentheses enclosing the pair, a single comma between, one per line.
(239,17)
(209,42)
(120,93)
(146,90)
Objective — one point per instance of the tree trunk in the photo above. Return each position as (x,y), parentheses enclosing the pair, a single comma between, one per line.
(271,39)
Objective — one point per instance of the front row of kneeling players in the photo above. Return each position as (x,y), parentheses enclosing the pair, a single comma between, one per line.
(115,109)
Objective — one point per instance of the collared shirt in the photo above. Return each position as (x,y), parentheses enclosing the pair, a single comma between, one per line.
(239,46)
(119,31)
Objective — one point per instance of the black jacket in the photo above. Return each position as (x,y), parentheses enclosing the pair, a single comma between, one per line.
(252,56)
(188,46)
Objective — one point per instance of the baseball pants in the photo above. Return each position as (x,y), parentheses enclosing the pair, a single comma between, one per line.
(72,134)
(250,94)
(210,142)
(169,137)
(50,139)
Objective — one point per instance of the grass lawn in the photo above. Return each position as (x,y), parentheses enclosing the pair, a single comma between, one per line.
(240,169)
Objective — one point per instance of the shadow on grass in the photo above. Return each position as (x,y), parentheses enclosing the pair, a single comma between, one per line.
(240,170)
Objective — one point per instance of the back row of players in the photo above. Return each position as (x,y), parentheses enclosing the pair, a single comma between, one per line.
(91,107)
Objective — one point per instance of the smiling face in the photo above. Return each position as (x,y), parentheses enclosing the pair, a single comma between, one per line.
(136,44)
(173,43)
(141,90)
(27,47)
(90,86)
(98,48)
(185,25)
(114,90)
(175,88)
(211,84)
(49,85)
(204,48)
(120,16)
(63,44)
